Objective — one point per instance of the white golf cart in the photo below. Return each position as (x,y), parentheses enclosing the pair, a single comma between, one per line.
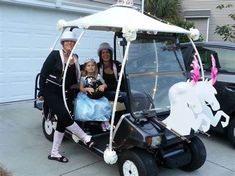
(152,63)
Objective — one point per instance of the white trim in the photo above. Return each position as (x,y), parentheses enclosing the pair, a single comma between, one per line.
(196,15)
(207,29)
(192,17)
(54,5)
(197,9)
(53,82)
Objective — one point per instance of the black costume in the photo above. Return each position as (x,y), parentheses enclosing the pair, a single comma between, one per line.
(50,84)
(110,79)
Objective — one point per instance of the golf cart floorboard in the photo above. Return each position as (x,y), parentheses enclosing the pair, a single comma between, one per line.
(101,142)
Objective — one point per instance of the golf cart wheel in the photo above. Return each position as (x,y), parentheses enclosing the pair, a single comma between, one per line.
(197,151)
(136,162)
(231,131)
(49,122)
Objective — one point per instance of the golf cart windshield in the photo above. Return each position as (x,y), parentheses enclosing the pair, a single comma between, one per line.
(154,64)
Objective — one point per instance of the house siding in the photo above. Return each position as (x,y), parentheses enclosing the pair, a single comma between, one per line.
(218,17)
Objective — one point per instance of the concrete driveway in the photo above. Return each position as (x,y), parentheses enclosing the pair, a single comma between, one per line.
(24,150)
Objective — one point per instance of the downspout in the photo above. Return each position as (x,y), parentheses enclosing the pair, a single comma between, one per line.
(207,29)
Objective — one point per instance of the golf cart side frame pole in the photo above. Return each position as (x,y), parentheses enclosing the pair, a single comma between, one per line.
(66,68)
(117,93)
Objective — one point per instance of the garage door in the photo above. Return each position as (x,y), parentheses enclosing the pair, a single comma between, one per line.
(26,35)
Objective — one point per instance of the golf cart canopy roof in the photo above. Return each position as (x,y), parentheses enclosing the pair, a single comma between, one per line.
(118,17)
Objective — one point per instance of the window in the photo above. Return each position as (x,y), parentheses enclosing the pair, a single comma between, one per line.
(225,57)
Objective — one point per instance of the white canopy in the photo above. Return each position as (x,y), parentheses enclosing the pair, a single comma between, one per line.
(118,17)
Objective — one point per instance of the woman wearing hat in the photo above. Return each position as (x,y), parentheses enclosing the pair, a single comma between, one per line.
(109,69)
(50,84)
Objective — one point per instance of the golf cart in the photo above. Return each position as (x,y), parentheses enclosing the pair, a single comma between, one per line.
(139,139)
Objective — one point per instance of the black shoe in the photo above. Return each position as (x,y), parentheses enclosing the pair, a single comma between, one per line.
(61,159)
(90,144)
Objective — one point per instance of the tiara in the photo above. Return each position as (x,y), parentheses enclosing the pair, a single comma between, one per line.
(90,60)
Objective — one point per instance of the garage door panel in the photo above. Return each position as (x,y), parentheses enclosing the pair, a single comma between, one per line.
(24,91)
(21,87)
(42,41)
(14,40)
(26,39)
(26,34)
(14,52)
(18,65)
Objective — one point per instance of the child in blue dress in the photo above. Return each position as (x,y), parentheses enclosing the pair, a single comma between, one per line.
(90,104)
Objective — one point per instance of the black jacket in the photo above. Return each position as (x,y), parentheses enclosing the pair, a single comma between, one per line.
(53,68)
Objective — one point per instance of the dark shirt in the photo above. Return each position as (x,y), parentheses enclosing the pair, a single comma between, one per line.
(110,79)
(111,82)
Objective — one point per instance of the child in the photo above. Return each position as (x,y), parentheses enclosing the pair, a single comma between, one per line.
(90,104)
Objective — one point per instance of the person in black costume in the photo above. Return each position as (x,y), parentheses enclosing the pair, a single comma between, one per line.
(50,84)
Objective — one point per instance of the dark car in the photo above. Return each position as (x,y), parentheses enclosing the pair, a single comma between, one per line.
(224,54)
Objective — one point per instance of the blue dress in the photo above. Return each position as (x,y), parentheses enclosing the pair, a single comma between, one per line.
(87,109)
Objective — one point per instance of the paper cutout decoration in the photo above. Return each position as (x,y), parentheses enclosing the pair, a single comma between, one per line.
(193,103)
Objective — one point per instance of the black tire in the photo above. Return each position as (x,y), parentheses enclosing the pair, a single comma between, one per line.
(231,131)
(137,162)
(197,151)
(49,122)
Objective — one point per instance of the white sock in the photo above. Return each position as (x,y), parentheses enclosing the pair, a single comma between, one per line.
(57,140)
(75,129)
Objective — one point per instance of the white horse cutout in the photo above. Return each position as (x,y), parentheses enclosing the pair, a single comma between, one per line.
(206,94)
(189,104)
(185,106)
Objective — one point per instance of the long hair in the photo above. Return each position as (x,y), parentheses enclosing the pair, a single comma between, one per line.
(111,57)
(84,72)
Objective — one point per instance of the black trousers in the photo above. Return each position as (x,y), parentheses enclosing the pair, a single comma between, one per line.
(54,99)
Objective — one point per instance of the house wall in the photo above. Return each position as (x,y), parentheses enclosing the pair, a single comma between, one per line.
(217,17)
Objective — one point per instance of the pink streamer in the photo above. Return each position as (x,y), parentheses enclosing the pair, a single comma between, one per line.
(195,72)
(214,70)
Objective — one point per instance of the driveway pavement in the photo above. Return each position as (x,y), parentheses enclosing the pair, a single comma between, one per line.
(24,150)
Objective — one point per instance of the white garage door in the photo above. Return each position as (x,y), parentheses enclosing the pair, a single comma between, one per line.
(26,35)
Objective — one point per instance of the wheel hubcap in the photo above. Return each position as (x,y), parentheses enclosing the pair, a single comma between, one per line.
(49,126)
(129,168)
